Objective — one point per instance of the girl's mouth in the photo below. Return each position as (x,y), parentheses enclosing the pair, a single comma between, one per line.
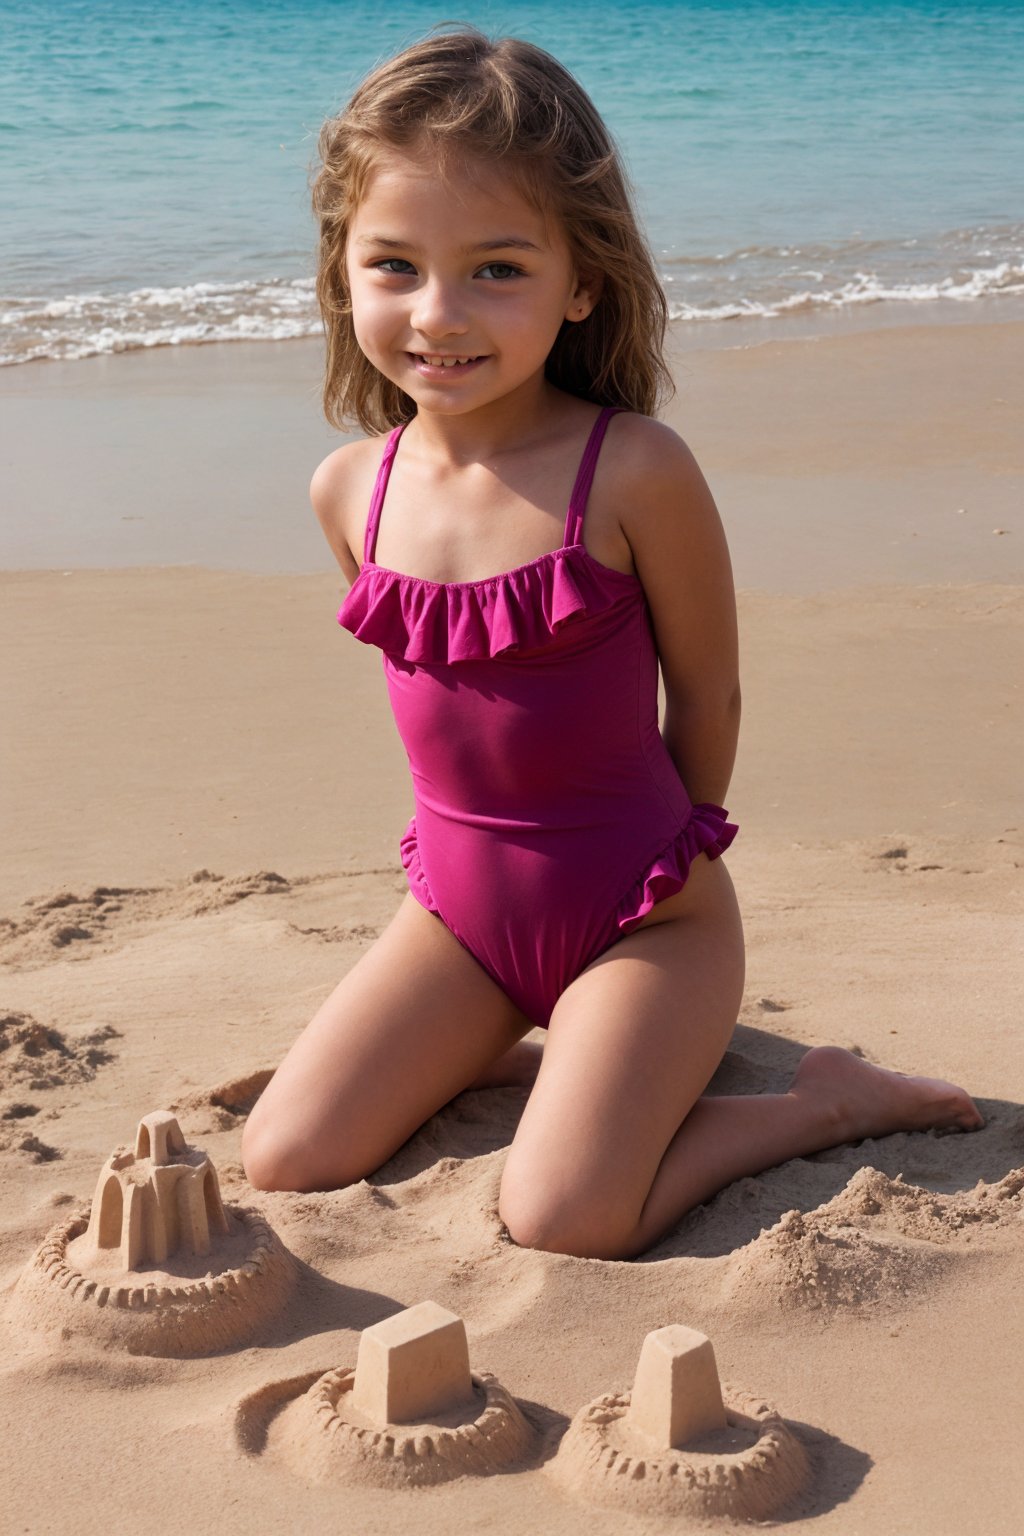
(434,364)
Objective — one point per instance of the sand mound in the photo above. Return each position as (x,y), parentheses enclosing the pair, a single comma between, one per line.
(874,1244)
(748,1471)
(806,1263)
(410,1413)
(874,1199)
(158,1266)
(35,1057)
(162,1310)
(324,1438)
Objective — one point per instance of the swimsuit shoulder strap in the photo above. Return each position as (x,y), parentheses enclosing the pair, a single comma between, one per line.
(380,486)
(585,476)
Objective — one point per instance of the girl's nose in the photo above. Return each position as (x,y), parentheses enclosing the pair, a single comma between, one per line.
(438,311)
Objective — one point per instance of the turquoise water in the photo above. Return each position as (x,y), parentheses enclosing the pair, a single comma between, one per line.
(790,158)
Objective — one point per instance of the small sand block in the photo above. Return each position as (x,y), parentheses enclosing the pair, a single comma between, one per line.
(411,1414)
(325,1439)
(412,1366)
(676,1397)
(159,1265)
(746,1466)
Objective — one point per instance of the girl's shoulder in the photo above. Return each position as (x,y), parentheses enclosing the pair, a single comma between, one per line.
(650,475)
(644,448)
(340,493)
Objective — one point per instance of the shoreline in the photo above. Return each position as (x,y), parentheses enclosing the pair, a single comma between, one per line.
(744,328)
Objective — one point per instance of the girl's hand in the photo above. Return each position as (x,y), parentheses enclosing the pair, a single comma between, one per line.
(669,517)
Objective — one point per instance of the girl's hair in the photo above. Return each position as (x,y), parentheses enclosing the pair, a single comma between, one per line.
(460,94)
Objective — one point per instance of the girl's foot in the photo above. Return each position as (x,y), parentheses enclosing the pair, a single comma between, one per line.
(861,1100)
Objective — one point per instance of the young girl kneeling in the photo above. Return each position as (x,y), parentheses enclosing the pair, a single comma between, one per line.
(526,545)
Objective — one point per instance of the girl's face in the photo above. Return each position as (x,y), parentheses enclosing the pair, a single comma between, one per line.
(459,285)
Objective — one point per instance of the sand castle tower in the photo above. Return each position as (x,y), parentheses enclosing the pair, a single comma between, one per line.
(159,1266)
(162,1198)
(410,1414)
(677,1445)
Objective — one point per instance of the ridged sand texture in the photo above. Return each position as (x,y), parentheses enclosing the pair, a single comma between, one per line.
(466,1423)
(618,1453)
(110,1274)
(873,1245)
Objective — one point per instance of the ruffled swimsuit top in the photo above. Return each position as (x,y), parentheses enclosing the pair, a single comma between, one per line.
(549,816)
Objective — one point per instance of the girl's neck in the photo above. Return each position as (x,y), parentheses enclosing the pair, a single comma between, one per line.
(514,423)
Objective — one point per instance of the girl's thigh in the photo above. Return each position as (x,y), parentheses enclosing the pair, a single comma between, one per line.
(413,1022)
(632,1044)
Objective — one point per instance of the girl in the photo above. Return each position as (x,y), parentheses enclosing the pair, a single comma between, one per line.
(490,303)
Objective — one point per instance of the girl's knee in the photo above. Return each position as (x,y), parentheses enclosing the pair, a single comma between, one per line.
(274,1159)
(268,1161)
(536,1215)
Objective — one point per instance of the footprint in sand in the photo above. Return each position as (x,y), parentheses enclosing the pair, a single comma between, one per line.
(69,926)
(28,1146)
(410,1414)
(13,1138)
(339,933)
(19,1112)
(894,857)
(65,925)
(159,1265)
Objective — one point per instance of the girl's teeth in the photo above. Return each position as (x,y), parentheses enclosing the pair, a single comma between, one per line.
(444,362)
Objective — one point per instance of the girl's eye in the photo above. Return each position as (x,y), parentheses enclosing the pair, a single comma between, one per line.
(395,266)
(501,270)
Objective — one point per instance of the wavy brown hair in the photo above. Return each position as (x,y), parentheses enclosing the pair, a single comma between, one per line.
(502,101)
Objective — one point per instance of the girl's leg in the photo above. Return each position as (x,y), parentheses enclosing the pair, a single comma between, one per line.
(616,1142)
(412,1024)
(518,1067)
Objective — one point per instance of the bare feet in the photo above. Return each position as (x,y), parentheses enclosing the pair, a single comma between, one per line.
(861,1100)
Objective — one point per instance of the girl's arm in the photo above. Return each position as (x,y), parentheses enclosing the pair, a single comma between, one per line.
(339,494)
(681,557)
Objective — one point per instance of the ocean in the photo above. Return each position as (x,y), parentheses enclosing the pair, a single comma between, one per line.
(790,159)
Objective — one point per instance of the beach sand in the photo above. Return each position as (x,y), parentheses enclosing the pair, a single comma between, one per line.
(203,798)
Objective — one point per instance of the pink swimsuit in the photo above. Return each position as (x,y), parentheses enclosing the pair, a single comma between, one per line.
(549,815)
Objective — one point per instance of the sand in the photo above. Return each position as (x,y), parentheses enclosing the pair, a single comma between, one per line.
(203,797)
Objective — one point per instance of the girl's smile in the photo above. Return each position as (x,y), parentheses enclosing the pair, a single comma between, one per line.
(459,285)
(439,365)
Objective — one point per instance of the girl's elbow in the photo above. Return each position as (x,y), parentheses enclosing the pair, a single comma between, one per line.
(720,704)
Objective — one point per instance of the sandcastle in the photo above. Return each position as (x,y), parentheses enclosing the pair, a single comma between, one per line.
(159,1265)
(410,1413)
(675,1445)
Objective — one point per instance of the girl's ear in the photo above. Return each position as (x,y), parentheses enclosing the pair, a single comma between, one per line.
(586,294)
